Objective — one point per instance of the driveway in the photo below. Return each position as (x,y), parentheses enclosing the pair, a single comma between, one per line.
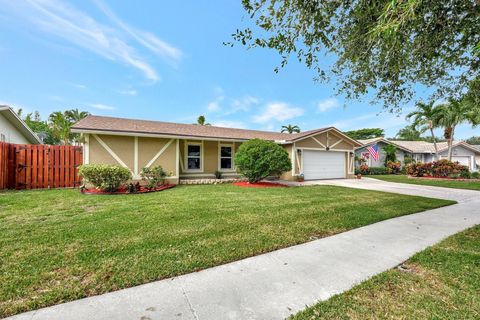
(283,282)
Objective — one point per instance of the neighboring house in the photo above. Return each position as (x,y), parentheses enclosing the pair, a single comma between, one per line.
(362,152)
(477,158)
(421,151)
(14,130)
(195,151)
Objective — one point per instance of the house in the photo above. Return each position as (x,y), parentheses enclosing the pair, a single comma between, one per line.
(363,153)
(15,130)
(421,151)
(194,151)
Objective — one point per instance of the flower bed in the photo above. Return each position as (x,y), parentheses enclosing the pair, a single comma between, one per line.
(246,184)
(124,190)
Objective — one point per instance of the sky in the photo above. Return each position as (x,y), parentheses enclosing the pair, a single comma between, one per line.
(164,60)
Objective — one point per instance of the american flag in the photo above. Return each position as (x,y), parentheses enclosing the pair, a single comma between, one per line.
(373,149)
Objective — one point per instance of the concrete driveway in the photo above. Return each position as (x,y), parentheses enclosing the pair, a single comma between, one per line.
(283,282)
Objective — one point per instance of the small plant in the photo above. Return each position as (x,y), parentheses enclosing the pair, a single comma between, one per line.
(218,174)
(475,175)
(133,188)
(394,167)
(301,177)
(257,159)
(105,176)
(465,175)
(153,176)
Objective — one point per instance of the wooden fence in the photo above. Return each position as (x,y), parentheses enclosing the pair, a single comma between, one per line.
(25,166)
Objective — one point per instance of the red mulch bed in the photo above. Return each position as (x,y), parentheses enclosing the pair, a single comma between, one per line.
(246,184)
(443,178)
(124,190)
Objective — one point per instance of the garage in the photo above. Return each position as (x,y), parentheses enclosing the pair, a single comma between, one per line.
(463,160)
(323,164)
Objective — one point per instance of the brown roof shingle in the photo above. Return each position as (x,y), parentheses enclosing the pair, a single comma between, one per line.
(101,123)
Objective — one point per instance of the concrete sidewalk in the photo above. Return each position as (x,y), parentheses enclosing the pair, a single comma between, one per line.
(283,282)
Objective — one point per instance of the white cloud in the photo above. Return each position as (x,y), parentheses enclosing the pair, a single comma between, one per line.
(129,92)
(242,104)
(147,39)
(229,124)
(278,111)
(102,106)
(213,106)
(65,21)
(327,104)
(79,85)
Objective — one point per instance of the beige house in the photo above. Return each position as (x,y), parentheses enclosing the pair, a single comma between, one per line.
(14,130)
(193,151)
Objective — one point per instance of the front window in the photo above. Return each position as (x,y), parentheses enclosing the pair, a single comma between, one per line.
(194,152)
(226,157)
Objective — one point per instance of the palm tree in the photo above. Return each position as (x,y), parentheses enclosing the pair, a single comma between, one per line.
(60,126)
(454,113)
(75,115)
(290,129)
(201,121)
(425,118)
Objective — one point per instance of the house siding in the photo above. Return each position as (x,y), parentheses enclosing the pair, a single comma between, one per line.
(124,148)
(11,133)
(381,161)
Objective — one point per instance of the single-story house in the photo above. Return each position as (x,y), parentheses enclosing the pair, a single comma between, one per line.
(421,151)
(362,151)
(15,130)
(195,151)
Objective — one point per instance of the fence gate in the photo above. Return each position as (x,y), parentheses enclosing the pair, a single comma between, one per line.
(25,166)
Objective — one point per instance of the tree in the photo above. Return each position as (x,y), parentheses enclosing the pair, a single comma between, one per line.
(425,118)
(201,121)
(60,126)
(409,133)
(364,134)
(290,129)
(453,113)
(390,153)
(473,140)
(383,47)
(74,115)
(34,122)
(257,159)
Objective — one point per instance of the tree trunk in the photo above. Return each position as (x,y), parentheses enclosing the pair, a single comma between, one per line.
(450,143)
(434,143)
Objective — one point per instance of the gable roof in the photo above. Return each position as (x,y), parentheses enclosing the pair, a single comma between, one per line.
(101,124)
(18,123)
(367,142)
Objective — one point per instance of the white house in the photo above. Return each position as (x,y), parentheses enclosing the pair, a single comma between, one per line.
(15,130)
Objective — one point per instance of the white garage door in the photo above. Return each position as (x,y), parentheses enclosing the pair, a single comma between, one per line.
(323,164)
(464,161)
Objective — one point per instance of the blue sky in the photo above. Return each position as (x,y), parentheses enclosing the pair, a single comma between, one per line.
(163,60)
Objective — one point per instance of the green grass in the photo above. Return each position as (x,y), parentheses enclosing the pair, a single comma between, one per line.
(442,282)
(471,185)
(60,245)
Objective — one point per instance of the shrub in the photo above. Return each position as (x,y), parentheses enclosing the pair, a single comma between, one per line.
(378,170)
(390,153)
(465,175)
(218,174)
(364,169)
(440,169)
(105,176)
(257,159)
(408,159)
(394,167)
(154,176)
(475,175)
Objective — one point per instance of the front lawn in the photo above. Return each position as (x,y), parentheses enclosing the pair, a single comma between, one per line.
(472,185)
(60,245)
(442,282)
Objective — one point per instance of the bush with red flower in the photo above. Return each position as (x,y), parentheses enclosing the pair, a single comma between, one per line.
(438,169)
(394,167)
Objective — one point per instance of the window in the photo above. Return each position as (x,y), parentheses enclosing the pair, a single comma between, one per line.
(226,157)
(194,156)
